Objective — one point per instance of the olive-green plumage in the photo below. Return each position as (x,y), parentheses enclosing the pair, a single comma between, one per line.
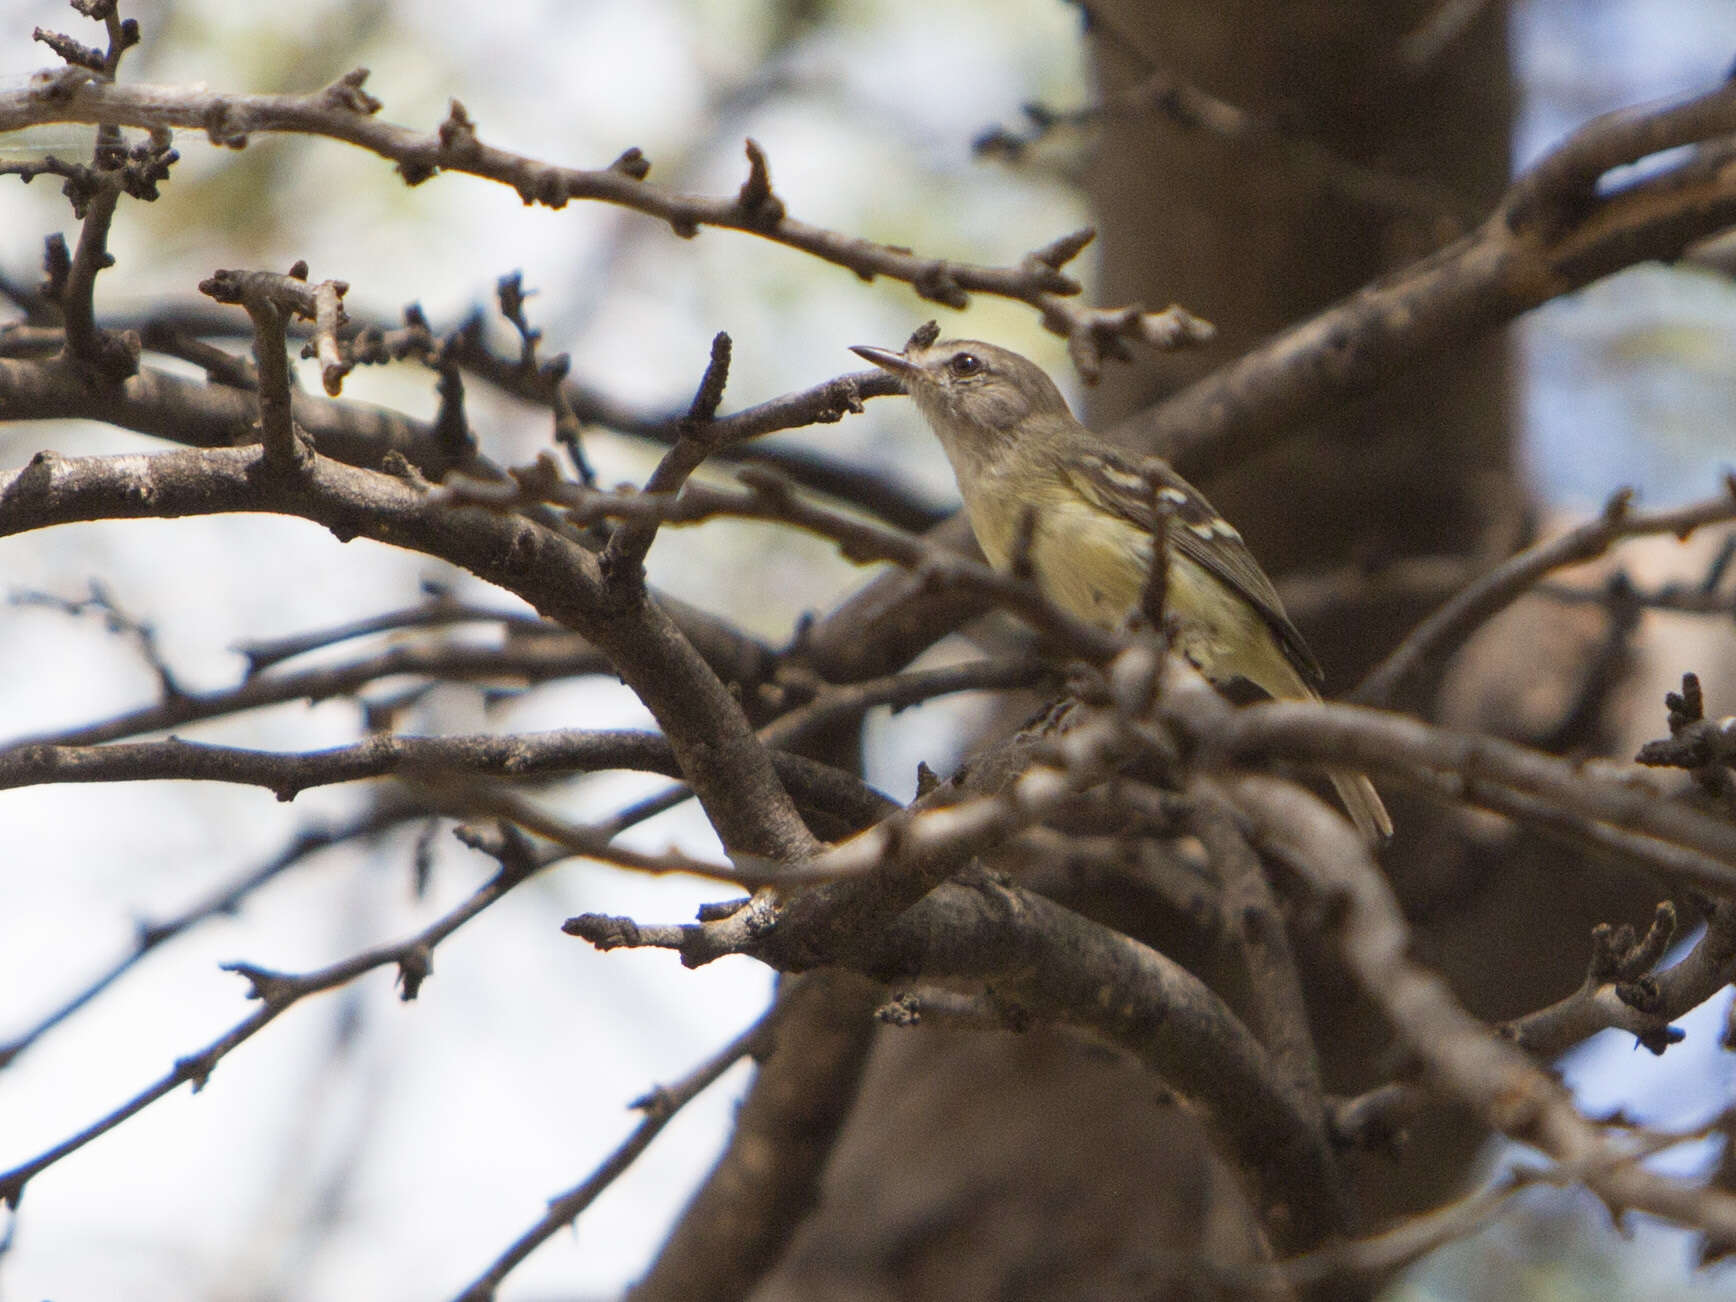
(1023,461)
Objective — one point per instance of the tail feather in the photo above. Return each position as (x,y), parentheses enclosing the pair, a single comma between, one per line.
(1271,669)
(1364,806)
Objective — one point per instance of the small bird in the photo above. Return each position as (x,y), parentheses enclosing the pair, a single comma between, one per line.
(1085,514)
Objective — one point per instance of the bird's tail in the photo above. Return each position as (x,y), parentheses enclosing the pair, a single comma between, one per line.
(1363,804)
(1279,677)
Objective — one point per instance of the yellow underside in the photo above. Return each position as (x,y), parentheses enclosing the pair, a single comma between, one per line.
(1093,566)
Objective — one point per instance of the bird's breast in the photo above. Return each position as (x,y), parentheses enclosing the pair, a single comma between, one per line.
(1093,565)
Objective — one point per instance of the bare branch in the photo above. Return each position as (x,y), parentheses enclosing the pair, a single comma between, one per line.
(343,111)
(277,992)
(1164,95)
(1640,1002)
(268,299)
(1462,1058)
(1622,815)
(834,705)
(423,760)
(95,193)
(440,609)
(660,1107)
(1251,916)
(118,621)
(768,1179)
(1434,641)
(150,936)
(189,413)
(624,558)
(1705,748)
(1552,234)
(473,798)
(1061,966)
(730,770)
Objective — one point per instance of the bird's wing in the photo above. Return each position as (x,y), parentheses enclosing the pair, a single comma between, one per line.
(1138,489)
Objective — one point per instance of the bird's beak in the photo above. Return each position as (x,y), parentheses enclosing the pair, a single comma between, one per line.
(887,360)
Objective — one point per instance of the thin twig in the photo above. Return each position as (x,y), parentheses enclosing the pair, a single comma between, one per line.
(541,659)
(150,936)
(277,993)
(624,557)
(344,111)
(95,196)
(268,298)
(1434,641)
(660,1107)
(834,705)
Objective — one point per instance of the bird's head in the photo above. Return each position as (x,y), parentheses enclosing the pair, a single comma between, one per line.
(971,392)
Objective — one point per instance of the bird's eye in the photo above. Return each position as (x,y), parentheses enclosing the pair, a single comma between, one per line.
(963,364)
